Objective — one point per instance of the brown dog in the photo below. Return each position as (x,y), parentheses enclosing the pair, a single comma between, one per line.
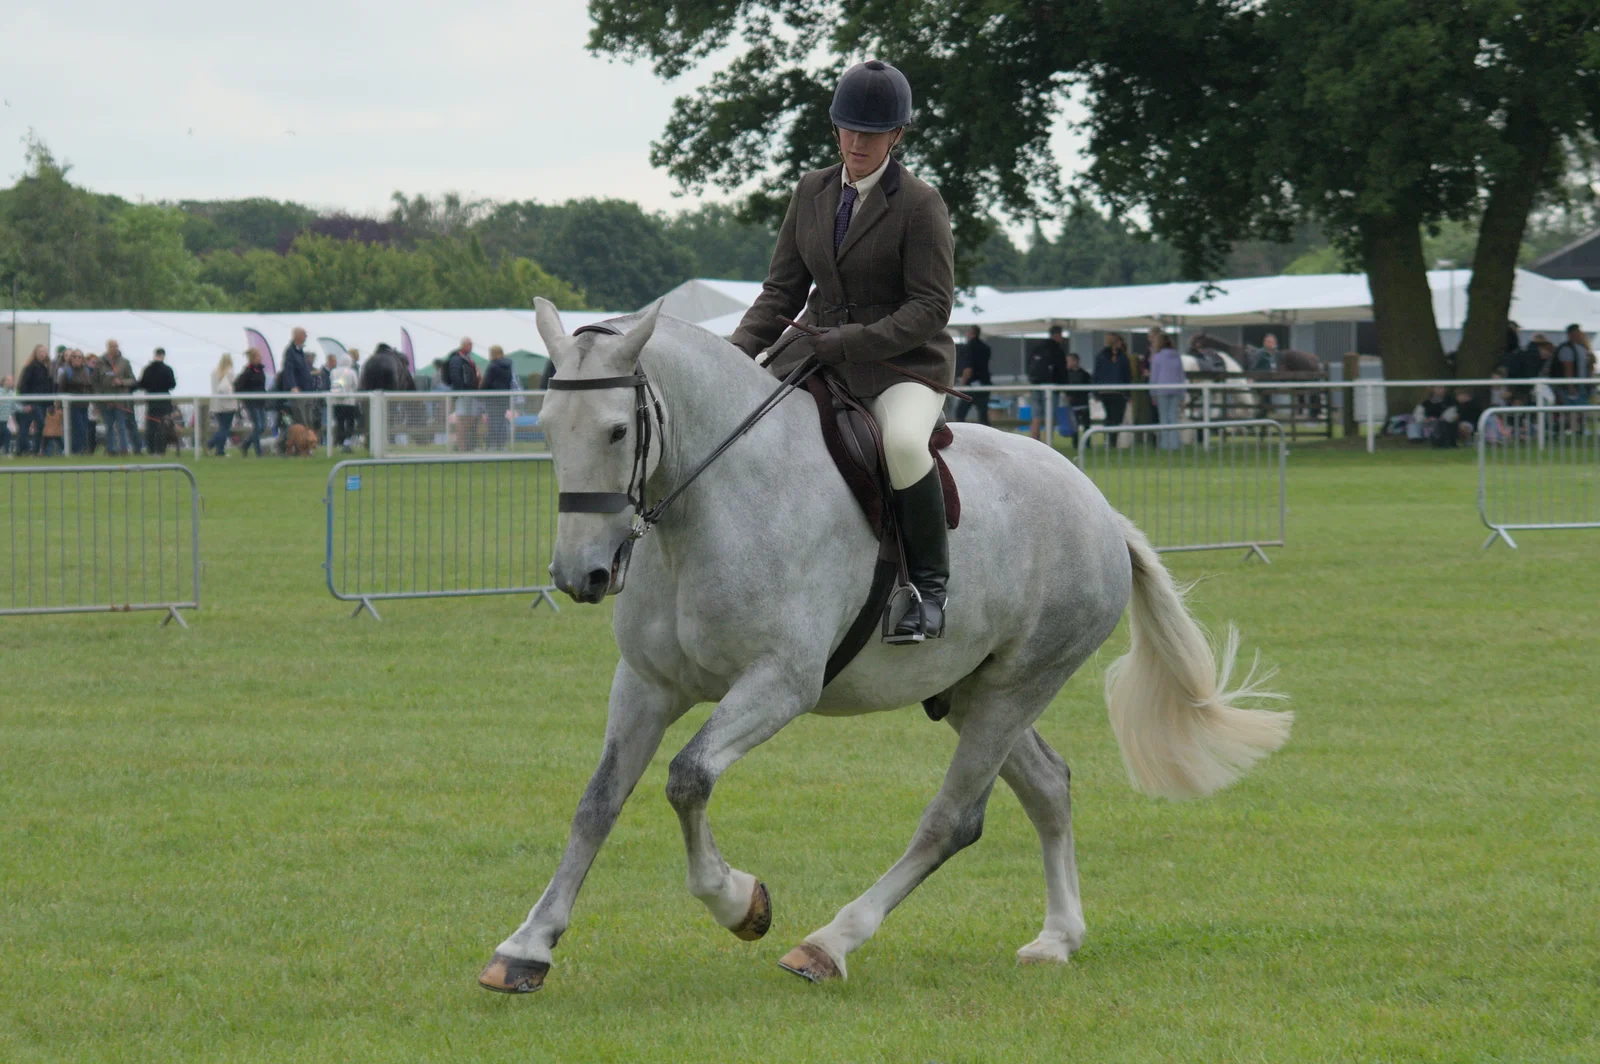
(301,441)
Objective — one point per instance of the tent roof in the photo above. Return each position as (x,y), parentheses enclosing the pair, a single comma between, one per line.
(703,298)
(1537,303)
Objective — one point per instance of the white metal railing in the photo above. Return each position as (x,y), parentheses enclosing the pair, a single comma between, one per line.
(458,422)
(1212,397)
(1538,468)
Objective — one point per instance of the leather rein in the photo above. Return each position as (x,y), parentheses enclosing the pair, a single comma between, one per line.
(646,427)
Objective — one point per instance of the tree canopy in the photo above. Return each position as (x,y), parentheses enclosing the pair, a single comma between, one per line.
(1371,119)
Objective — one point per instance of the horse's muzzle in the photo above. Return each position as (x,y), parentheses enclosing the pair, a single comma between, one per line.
(591,587)
(592,584)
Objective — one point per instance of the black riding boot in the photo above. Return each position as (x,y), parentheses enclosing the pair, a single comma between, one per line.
(919,511)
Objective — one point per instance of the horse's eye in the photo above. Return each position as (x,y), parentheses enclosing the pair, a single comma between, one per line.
(618,433)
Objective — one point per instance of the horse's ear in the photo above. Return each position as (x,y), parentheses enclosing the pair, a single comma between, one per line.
(549,322)
(635,339)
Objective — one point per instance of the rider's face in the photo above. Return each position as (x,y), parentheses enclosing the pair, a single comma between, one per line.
(864,152)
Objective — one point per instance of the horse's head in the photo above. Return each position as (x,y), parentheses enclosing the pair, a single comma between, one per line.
(593,435)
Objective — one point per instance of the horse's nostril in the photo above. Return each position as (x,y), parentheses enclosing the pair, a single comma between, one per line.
(599,579)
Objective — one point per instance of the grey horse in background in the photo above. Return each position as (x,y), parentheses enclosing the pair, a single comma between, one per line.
(740,594)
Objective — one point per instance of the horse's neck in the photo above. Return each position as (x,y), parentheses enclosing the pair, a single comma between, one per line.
(707,388)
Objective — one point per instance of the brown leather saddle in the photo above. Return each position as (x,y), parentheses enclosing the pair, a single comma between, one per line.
(856,446)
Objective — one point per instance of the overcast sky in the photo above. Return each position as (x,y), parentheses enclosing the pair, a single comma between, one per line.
(334,103)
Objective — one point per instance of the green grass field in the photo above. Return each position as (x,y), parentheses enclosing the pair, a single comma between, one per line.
(284,835)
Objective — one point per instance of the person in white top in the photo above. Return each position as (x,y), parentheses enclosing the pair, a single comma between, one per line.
(223,409)
(346,412)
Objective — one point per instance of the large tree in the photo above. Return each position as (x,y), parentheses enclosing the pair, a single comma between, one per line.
(619,255)
(1218,120)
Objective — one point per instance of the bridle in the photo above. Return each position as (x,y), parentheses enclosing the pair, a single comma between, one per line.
(649,422)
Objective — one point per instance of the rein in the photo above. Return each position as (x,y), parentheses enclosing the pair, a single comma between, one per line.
(645,516)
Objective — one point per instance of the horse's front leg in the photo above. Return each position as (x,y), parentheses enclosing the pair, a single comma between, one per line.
(758,705)
(637,718)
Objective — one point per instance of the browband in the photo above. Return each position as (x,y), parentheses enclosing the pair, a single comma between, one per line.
(604,329)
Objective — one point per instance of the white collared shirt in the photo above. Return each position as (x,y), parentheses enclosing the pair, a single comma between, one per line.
(864,186)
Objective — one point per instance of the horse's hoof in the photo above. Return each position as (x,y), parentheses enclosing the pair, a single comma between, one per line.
(511,975)
(811,963)
(1044,950)
(758,921)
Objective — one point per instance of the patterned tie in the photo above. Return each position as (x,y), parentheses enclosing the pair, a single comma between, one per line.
(841,221)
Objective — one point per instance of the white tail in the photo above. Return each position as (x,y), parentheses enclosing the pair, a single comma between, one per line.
(1180,735)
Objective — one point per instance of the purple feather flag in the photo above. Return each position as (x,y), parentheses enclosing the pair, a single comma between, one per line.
(259,342)
(405,349)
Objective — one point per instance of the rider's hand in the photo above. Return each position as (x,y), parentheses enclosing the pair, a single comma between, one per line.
(828,347)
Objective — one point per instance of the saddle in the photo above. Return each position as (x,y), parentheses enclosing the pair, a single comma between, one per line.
(856,446)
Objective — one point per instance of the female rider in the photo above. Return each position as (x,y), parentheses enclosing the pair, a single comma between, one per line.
(875,242)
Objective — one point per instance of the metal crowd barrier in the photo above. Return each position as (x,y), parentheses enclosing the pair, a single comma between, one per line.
(93,539)
(1538,468)
(1195,485)
(449,527)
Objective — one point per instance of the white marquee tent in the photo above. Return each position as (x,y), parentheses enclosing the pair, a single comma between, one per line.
(1537,303)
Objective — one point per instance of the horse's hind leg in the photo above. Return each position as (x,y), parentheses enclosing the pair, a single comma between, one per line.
(1042,784)
(993,722)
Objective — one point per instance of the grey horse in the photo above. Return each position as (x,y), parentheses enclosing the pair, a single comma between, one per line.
(743,590)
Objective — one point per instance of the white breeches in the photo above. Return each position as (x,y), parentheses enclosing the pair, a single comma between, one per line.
(906,414)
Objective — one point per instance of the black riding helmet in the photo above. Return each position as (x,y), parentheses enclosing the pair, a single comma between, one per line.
(872,97)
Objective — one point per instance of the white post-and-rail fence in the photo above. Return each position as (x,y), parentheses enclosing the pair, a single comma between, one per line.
(97,539)
(440,527)
(1198,485)
(414,423)
(1538,469)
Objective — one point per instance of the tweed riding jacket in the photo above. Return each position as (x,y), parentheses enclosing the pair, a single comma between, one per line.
(888,291)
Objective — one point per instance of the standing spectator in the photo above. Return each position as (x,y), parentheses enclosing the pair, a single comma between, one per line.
(461,375)
(321,375)
(972,367)
(1077,402)
(157,379)
(1575,360)
(294,378)
(296,372)
(1166,367)
(37,384)
(116,378)
(1047,364)
(1266,360)
(252,380)
(1112,366)
(8,410)
(342,382)
(223,409)
(76,379)
(498,377)
(1513,349)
